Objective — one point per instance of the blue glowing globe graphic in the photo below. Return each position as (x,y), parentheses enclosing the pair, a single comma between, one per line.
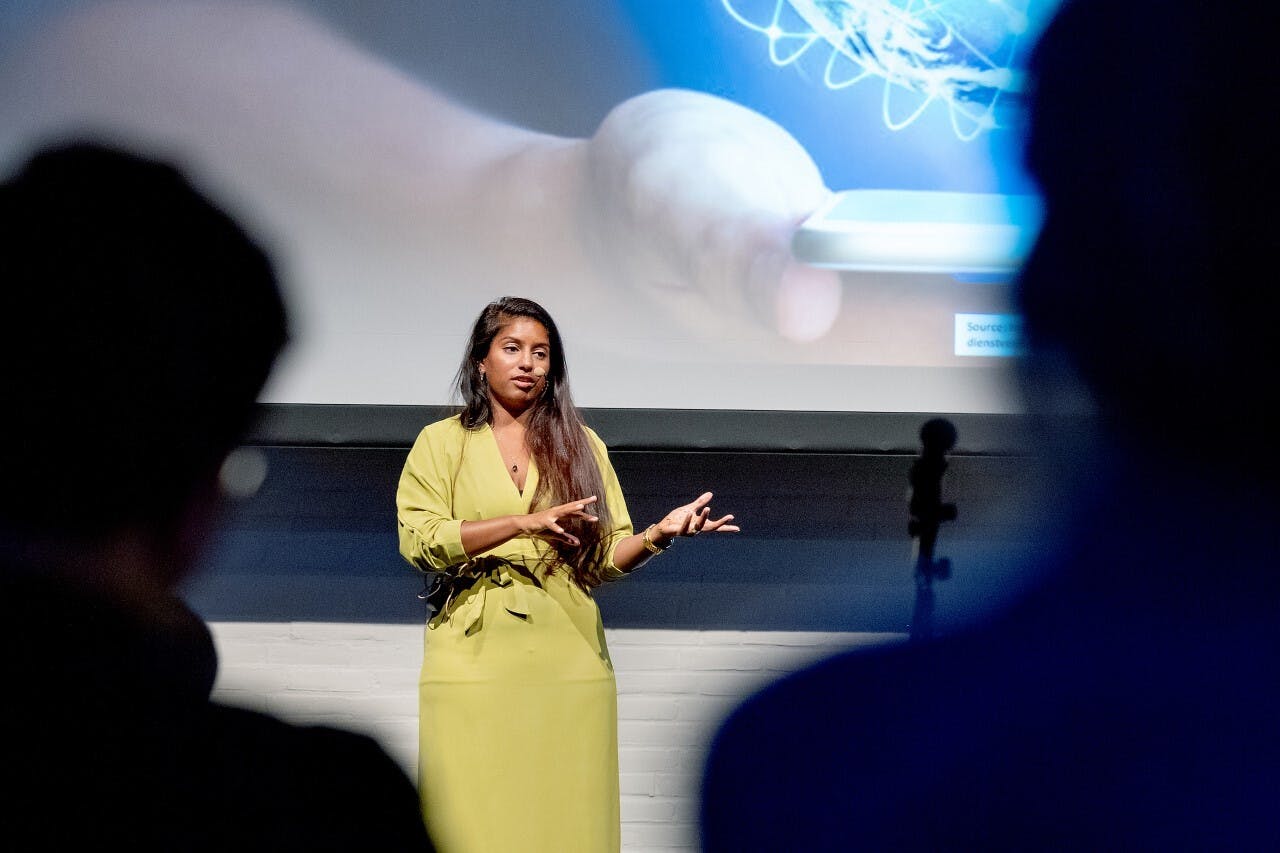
(962,54)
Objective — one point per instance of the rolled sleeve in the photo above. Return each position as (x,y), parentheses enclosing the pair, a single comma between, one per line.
(615,501)
(430,537)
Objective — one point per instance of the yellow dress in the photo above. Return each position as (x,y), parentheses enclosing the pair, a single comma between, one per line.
(518,731)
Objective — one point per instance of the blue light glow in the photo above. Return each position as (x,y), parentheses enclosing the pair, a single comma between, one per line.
(960,54)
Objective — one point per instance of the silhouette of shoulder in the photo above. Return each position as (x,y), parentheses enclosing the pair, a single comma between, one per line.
(1129,702)
(112,736)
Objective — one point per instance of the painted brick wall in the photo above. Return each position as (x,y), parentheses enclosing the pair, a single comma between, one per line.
(674,687)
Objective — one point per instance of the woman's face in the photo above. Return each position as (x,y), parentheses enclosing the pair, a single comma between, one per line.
(517,364)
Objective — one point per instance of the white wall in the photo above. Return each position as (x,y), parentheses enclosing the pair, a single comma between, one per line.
(674,687)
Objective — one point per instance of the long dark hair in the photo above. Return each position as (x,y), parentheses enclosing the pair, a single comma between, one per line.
(555,436)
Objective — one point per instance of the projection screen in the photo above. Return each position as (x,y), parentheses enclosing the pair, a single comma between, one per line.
(405,163)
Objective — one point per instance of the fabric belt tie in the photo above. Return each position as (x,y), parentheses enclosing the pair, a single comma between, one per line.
(514,597)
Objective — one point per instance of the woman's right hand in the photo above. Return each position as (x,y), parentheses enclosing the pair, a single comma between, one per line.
(545,523)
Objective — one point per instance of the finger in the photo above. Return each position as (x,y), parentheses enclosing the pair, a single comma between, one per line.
(577,509)
(693,523)
(698,521)
(555,532)
(680,524)
(806,302)
(682,529)
(701,501)
(798,301)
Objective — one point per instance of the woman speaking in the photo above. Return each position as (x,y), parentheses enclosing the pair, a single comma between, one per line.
(515,503)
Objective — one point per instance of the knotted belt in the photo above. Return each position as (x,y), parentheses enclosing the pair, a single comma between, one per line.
(514,597)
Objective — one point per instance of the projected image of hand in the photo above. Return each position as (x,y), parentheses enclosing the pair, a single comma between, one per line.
(392,207)
(693,199)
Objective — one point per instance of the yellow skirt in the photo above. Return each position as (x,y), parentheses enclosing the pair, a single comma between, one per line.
(518,732)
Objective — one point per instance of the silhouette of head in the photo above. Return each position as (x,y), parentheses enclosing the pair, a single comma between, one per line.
(140,325)
(1152,272)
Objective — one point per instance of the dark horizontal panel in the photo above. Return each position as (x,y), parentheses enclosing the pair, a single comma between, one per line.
(824,542)
(314,425)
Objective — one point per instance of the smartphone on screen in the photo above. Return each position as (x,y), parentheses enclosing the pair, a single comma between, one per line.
(919,231)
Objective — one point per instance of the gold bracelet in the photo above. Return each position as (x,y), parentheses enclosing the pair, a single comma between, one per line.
(653,547)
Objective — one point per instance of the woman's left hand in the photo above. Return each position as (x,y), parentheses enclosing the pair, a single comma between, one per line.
(690,520)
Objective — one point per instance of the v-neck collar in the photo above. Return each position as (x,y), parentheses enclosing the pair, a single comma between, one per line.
(530,476)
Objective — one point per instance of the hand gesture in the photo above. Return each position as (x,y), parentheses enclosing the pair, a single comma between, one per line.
(546,523)
(695,199)
(690,520)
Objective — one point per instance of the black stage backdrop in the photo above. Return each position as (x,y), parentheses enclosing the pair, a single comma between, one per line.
(821,497)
